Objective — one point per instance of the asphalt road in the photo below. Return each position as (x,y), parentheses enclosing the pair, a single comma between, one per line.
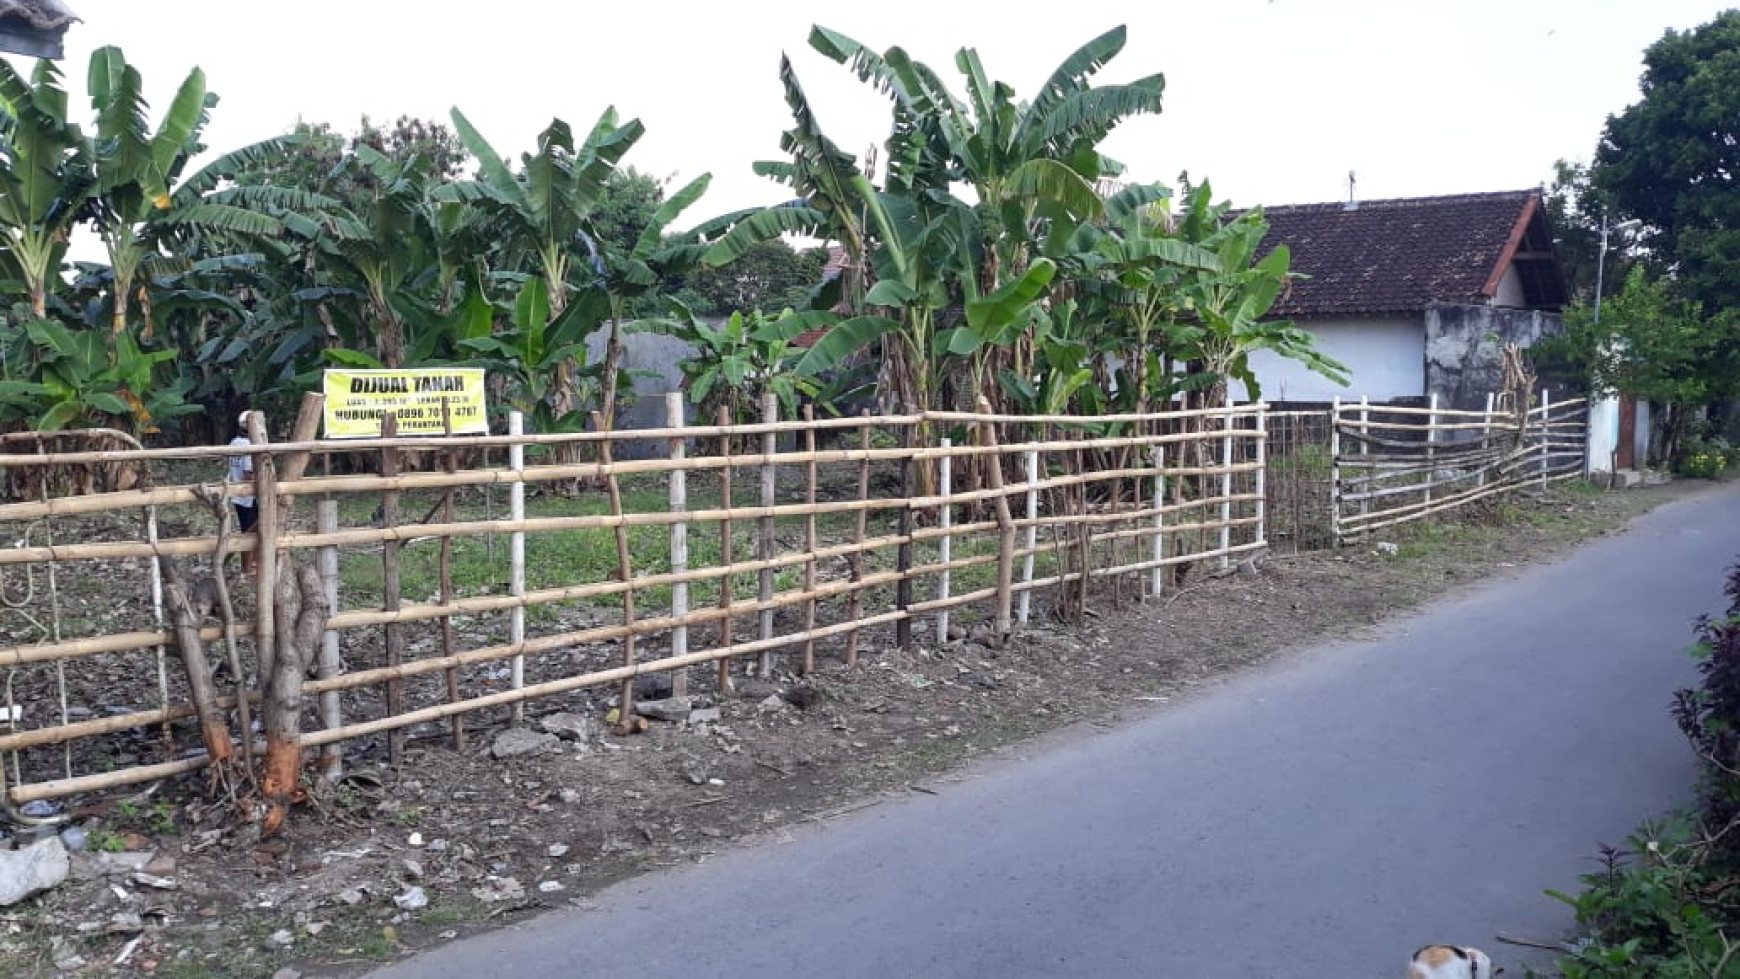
(1320,818)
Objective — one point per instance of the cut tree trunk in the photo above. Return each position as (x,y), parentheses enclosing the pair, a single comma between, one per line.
(299,606)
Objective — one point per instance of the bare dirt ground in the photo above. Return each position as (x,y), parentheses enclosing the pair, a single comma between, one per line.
(395,860)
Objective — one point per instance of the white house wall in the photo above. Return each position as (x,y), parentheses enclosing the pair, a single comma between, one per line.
(1387,357)
(1510,290)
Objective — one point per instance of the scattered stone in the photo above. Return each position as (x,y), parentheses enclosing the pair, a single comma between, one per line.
(755,689)
(981,681)
(499,889)
(675,709)
(415,839)
(314,928)
(569,726)
(715,781)
(73,837)
(286,974)
(412,867)
(517,741)
(557,849)
(803,696)
(437,846)
(652,686)
(283,936)
(155,882)
(33,869)
(414,899)
(550,887)
(986,637)
(352,897)
(90,866)
(956,631)
(1388,548)
(569,796)
(774,702)
(125,923)
(706,715)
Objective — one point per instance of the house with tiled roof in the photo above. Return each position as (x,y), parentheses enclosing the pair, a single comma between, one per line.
(1416,296)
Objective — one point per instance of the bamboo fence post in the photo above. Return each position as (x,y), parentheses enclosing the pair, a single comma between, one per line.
(390,596)
(1157,575)
(624,572)
(1431,444)
(1024,608)
(1364,443)
(1226,478)
(448,644)
(1262,476)
(1546,434)
(1486,438)
(903,552)
(331,713)
(726,627)
(266,549)
(156,569)
(1006,530)
(517,560)
(764,539)
(675,418)
(945,543)
(855,606)
(810,542)
(1335,471)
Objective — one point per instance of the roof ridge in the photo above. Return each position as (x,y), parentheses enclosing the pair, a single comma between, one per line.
(1379,202)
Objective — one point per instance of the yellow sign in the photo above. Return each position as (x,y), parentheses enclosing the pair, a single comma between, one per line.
(356,400)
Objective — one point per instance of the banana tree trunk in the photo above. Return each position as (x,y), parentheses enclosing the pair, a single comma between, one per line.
(612,367)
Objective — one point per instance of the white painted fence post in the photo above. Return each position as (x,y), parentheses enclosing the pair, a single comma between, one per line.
(1431,444)
(945,543)
(1365,450)
(1157,576)
(517,557)
(1262,514)
(1546,434)
(764,540)
(1335,472)
(331,713)
(1025,602)
(1486,438)
(675,418)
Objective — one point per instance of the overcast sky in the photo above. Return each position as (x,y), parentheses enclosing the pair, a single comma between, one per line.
(1274,100)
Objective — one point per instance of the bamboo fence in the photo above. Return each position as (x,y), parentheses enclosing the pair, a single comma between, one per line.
(817,550)
(1393,464)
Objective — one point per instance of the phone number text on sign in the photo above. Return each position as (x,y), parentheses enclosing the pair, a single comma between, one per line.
(357,400)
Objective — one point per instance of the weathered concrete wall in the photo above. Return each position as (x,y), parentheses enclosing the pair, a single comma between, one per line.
(657,355)
(1465,344)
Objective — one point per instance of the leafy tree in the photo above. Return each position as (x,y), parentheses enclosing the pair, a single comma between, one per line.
(769,275)
(1673,158)
(45,178)
(1652,344)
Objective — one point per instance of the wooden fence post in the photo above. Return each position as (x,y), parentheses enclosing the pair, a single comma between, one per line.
(1226,479)
(449,643)
(810,542)
(855,607)
(266,549)
(517,558)
(390,595)
(1261,531)
(1005,527)
(624,571)
(1335,471)
(331,712)
(1032,542)
(727,628)
(764,543)
(903,552)
(156,568)
(945,543)
(675,418)
(1365,450)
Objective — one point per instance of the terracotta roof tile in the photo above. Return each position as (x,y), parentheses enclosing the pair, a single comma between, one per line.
(1398,255)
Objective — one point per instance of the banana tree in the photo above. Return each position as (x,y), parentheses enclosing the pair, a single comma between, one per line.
(543,209)
(45,178)
(828,206)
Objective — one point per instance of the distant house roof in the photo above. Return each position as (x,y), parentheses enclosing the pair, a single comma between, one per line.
(830,271)
(34,27)
(1402,255)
